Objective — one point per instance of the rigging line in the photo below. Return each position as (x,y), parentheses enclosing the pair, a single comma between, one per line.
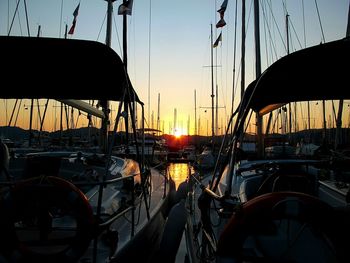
(224,95)
(38,106)
(234,60)
(279,32)
(6,114)
(27,20)
(13,19)
(265,38)
(301,113)
(149,59)
(134,46)
(271,41)
(284,7)
(296,35)
(116,31)
(244,34)
(286,15)
(238,76)
(44,115)
(269,31)
(77,121)
(19,108)
(103,21)
(61,15)
(319,20)
(291,23)
(8,15)
(249,16)
(304,27)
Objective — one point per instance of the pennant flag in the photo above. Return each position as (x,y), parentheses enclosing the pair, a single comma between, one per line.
(221,23)
(223,9)
(216,43)
(76,11)
(75,14)
(125,8)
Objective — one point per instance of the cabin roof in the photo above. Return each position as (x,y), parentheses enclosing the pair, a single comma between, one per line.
(315,73)
(55,68)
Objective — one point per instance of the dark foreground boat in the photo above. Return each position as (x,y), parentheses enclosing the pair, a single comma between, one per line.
(279,203)
(70,205)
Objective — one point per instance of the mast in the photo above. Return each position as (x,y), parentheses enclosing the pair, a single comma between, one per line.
(289,104)
(338,139)
(125,60)
(243,50)
(212,84)
(31,123)
(234,65)
(175,116)
(32,104)
(158,114)
(217,110)
(149,60)
(195,113)
(104,103)
(109,22)
(260,147)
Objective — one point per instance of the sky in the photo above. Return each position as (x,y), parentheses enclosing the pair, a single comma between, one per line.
(169,45)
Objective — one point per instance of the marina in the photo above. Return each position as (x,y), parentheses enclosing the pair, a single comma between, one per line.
(139,147)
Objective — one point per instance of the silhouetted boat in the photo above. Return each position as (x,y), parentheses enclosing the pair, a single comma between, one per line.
(277,205)
(63,206)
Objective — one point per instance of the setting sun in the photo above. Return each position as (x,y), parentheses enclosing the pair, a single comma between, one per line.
(178,133)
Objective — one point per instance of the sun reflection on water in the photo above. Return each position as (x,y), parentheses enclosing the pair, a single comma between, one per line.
(179,172)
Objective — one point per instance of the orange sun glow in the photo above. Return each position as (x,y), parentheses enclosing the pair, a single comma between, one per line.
(178,133)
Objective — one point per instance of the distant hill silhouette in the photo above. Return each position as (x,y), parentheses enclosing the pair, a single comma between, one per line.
(19,135)
(83,132)
(13,133)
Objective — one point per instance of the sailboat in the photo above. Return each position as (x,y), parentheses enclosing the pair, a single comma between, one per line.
(280,208)
(65,206)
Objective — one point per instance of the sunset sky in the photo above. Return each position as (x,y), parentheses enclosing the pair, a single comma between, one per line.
(177,61)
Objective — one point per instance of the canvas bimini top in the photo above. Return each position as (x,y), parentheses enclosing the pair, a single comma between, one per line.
(34,67)
(315,73)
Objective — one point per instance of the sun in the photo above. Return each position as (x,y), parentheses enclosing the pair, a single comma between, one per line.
(178,133)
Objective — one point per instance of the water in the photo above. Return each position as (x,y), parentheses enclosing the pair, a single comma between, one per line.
(179,172)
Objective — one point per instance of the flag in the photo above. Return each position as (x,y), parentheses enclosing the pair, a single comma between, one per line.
(125,8)
(221,23)
(71,30)
(216,43)
(75,14)
(223,9)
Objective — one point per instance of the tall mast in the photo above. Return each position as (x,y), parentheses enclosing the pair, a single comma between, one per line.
(212,84)
(338,139)
(31,106)
(158,114)
(175,116)
(125,61)
(105,103)
(195,113)
(217,109)
(259,123)
(243,50)
(289,104)
(234,64)
(109,22)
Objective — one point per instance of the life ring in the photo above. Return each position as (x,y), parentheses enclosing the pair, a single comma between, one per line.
(33,214)
(254,214)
